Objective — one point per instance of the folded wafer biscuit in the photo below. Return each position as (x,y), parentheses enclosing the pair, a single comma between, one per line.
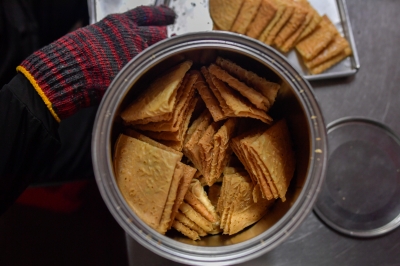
(185,230)
(191,148)
(221,152)
(237,104)
(179,135)
(209,98)
(185,93)
(275,151)
(237,207)
(188,175)
(256,98)
(202,222)
(157,102)
(190,224)
(266,88)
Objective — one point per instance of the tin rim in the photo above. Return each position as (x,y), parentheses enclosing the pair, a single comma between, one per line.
(172,249)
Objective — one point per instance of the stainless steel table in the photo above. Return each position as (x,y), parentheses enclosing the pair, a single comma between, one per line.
(374,92)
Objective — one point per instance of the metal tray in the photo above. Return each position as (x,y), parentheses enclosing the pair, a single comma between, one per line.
(193,16)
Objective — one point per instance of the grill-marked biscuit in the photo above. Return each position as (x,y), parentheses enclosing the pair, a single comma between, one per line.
(224,12)
(293,24)
(293,39)
(314,43)
(264,16)
(331,62)
(312,25)
(289,10)
(334,48)
(267,88)
(256,98)
(245,16)
(278,14)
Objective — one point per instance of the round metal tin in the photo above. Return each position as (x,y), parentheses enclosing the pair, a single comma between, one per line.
(360,196)
(311,138)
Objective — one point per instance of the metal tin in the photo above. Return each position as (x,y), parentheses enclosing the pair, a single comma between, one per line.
(193,16)
(296,103)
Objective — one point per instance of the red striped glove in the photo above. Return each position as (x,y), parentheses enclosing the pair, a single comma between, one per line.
(74,71)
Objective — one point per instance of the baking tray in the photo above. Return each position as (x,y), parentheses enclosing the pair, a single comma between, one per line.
(193,16)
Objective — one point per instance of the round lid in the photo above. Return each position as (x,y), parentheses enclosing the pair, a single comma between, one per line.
(360,195)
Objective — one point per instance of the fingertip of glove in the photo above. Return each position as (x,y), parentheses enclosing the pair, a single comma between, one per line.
(152,15)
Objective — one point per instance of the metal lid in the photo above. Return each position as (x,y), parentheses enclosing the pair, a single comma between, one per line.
(360,193)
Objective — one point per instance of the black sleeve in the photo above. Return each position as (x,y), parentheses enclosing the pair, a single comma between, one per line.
(28,139)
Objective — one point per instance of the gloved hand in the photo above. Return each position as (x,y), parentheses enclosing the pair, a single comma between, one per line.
(74,71)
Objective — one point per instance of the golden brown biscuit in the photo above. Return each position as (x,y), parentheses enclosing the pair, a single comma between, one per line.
(238,105)
(224,12)
(293,24)
(188,174)
(256,98)
(157,102)
(331,62)
(289,10)
(278,14)
(144,174)
(266,88)
(209,99)
(275,151)
(314,43)
(189,223)
(245,16)
(264,16)
(335,47)
(185,230)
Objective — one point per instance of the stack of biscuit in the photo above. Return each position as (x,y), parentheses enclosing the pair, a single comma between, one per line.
(151,178)
(164,111)
(284,24)
(213,176)
(268,158)
(236,205)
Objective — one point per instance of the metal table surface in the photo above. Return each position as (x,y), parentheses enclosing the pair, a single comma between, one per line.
(372,93)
